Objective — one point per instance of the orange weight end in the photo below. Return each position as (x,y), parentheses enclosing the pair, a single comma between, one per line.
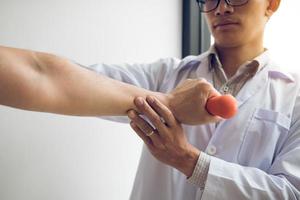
(224,106)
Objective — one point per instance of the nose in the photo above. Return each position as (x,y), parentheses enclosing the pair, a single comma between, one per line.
(223,8)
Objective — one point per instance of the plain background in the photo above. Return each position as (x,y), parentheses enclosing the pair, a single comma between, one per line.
(282,35)
(46,156)
(53,157)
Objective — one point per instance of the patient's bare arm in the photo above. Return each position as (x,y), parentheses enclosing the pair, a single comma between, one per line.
(45,82)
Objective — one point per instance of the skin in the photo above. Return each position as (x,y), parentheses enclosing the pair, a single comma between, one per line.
(169,143)
(44,82)
(183,98)
(236,43)
(243,40)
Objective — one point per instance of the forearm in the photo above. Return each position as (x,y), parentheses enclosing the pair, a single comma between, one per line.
(44,82)
(88,93)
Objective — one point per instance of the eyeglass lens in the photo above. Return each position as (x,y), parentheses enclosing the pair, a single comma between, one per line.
(209,5)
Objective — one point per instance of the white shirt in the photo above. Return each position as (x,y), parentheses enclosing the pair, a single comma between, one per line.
(254,155)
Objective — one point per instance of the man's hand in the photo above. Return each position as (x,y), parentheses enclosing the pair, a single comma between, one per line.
(166,141)
(188,100)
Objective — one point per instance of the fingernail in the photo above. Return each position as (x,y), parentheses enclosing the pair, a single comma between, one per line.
(131,114)
(139,101)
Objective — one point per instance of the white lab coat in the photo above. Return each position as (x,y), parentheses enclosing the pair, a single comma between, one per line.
(254,155)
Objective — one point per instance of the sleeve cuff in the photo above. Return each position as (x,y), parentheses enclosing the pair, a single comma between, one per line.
(200,172)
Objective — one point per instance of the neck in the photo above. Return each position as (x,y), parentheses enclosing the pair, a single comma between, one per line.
(233,57)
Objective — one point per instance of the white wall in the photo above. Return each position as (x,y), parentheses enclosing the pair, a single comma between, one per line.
(282,35)
(47,156)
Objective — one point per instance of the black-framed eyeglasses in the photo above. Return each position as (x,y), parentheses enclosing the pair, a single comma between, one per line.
(209,5)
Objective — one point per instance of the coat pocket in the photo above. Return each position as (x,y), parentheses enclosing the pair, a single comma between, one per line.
(265,133)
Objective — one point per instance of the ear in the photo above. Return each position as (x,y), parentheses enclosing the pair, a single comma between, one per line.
(274,5)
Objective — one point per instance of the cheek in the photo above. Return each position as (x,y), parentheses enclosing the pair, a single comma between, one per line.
(208,21)
(254,27)
(255,20)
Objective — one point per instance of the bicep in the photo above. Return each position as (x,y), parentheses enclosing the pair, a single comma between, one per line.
(19,75)
(28,79)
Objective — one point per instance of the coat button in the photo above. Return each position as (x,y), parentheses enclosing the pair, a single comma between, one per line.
(225,89)
(211,150)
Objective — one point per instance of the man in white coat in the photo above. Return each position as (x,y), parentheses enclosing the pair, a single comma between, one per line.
(254,155)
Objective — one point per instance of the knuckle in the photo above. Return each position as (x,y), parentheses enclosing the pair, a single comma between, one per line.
(201,80)
(207,86)
(169,114)
(147,109)
(203,86)
(156,119)
(134,117)
(199,86)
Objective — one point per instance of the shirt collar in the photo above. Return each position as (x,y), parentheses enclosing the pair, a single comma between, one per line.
(213,58)
(263,60)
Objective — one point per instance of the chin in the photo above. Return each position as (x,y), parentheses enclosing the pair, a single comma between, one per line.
(228,41)
(227,44)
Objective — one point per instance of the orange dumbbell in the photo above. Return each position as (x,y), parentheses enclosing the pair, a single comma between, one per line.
(224,106)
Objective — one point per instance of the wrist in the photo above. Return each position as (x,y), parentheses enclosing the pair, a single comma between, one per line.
(164,99)
(190,161)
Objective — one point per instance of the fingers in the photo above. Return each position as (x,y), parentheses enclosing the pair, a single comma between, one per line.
(162,110)
(142,128)
(213,93)
(146,109)
(141,134)
(204,86)
(140,122)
